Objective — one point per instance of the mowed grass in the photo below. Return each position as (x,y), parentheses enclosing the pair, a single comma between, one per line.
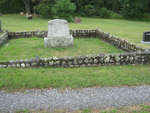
(129,30)
(74,77)
(31,47)
(12,78)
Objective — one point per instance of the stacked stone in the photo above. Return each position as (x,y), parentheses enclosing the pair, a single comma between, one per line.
(82,61)
(3,38)
(83,33)
(118,42)
(42,34)
(27,34)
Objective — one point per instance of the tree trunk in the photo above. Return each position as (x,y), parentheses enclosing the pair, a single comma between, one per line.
(27,4)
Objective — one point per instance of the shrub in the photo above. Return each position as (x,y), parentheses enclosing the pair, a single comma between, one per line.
(115,15)
(134,9)
(44,9)
(64,9)
(104,13)
(88,10)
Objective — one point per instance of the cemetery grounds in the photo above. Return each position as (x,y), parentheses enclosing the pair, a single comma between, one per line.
(103,76)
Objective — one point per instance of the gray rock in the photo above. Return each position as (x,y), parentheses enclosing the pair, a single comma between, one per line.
(68,99)
(23,65)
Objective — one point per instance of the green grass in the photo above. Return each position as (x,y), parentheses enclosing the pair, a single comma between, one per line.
(31,47)
(71,77)
(129,30)
(74,77)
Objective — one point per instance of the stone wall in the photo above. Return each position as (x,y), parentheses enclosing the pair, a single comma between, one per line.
(136,54)
(118,42)
(82,61)
(42,34)
(3,38)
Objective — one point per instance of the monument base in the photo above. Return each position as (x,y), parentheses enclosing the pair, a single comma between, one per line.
(58,42)
(145,42)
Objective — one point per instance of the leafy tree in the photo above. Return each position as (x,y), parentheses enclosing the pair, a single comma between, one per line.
(64,9)
(45,8)
(11,6)
(134,8)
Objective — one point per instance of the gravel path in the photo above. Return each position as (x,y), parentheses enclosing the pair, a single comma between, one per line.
(74,99)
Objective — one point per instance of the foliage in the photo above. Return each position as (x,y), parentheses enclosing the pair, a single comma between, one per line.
(104,13)
(134,8)
(45,8)
(11,6)
(131,9)
(88,10)
(64,9)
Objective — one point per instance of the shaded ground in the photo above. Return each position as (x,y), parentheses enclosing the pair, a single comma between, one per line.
(54,99)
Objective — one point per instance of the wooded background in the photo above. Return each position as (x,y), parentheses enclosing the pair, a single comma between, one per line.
(130,9)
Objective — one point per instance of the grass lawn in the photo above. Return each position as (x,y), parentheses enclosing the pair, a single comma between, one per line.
(31,47)
(129,30)
(74,77)
(71,77)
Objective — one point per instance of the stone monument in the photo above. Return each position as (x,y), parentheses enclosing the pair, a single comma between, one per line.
(58,34)
(146,38)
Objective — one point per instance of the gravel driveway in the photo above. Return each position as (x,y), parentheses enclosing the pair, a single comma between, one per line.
(74,99)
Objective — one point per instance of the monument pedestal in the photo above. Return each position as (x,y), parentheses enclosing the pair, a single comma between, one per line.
(58,42)
(58,34)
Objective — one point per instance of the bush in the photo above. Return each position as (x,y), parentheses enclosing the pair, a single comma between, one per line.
(104,13)
(88,10)
(115,15)
(64,9)
(44,9)
(133,9)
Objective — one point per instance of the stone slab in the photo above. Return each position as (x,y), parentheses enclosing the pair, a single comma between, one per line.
(58,34)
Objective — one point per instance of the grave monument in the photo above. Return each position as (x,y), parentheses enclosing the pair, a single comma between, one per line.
(58,34)
(146,37)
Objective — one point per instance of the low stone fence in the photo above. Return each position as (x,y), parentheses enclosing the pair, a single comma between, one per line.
(42,34)
(118,42)
(136,54)
(82,61)
(3,38)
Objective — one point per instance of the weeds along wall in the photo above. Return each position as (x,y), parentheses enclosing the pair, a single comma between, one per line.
(135,55)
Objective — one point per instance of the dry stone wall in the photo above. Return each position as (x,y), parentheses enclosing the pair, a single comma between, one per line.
(82,61)
(3,38)
(118,42)
(42,34)
(135,55)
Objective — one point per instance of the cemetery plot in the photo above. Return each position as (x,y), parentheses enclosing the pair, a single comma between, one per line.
(23,48)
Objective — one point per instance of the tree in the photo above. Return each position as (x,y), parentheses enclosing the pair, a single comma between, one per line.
(134,9)
(28,5)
